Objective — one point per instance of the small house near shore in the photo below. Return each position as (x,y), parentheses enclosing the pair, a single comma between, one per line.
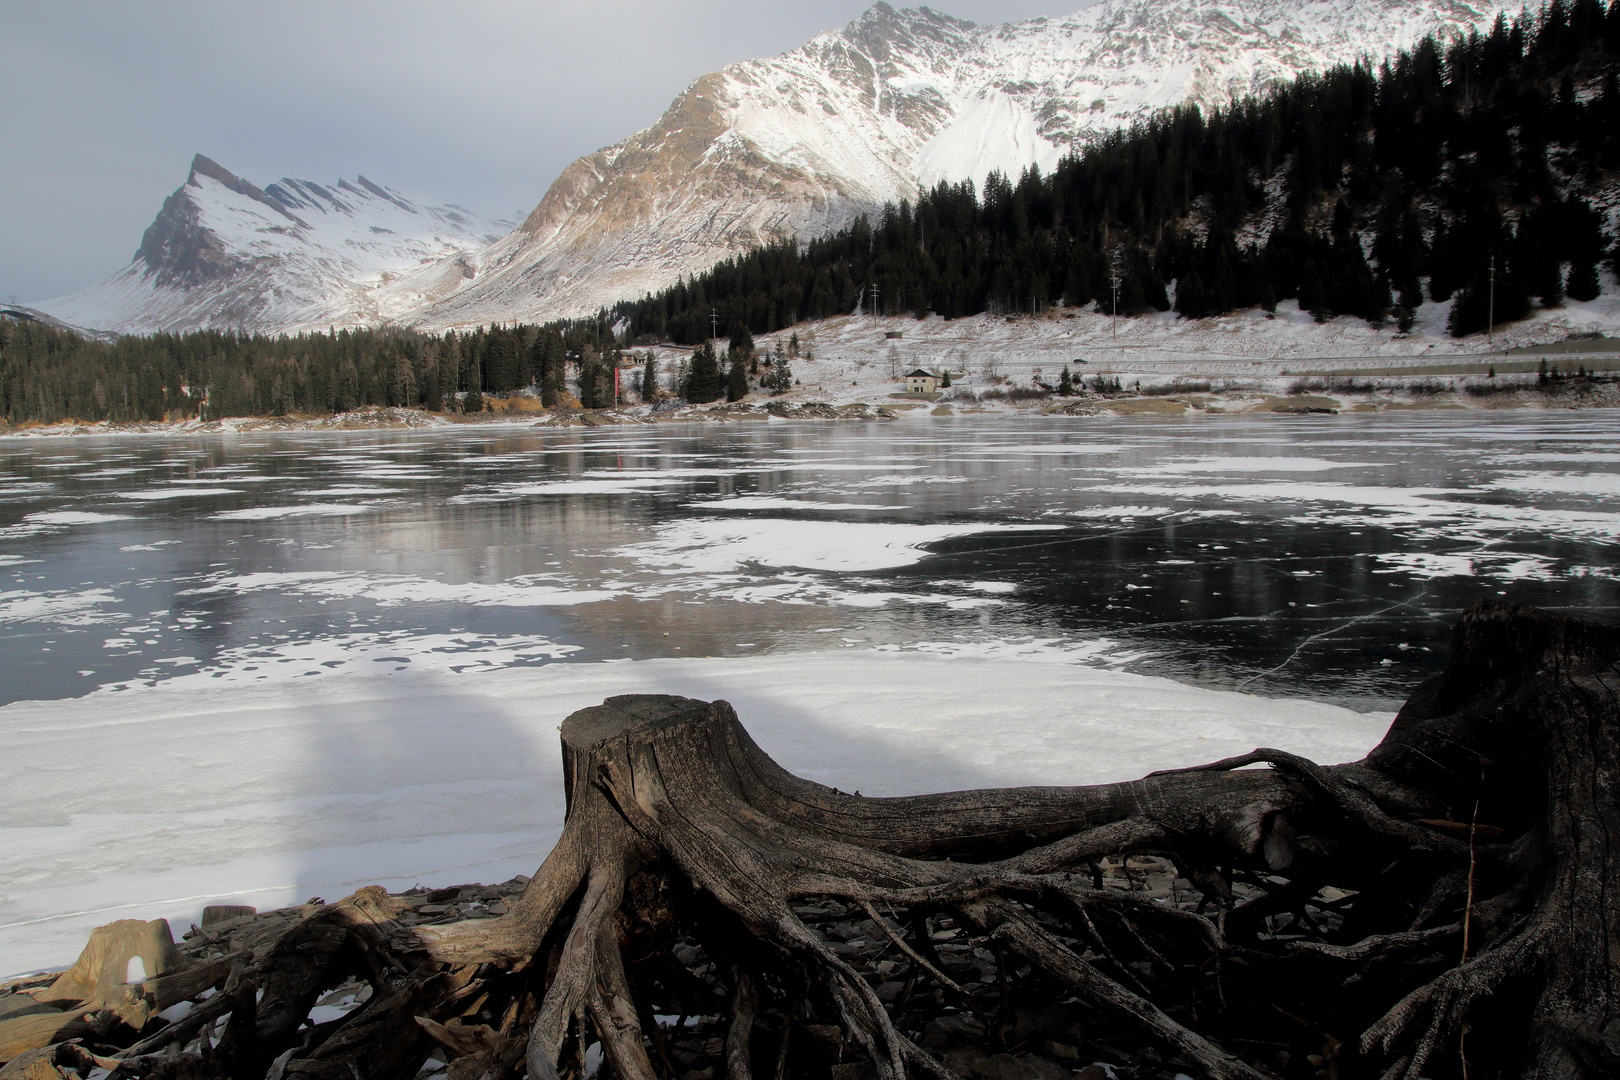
(922,382)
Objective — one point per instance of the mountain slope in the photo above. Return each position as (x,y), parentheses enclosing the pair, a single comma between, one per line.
(226,254)
(895,102)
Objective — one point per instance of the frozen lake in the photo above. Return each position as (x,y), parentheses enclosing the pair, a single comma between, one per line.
(1321,557)
(260,668)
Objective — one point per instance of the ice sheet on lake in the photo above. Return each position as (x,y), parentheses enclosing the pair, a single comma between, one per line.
(268,794)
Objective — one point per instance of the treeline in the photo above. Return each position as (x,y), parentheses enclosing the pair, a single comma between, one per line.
(1360,183)
(48,374)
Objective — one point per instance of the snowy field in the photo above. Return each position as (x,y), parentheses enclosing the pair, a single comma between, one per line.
(201,792)
(856,360)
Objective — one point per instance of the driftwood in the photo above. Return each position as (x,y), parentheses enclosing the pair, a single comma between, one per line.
(1443,907)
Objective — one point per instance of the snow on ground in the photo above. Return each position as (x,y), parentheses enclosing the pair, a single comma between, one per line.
(855,360)
(219,788)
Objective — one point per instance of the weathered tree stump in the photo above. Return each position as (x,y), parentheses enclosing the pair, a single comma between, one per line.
(1444,906)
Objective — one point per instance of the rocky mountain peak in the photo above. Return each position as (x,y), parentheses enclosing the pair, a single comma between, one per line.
(204,166)
(881,28)
(225,253)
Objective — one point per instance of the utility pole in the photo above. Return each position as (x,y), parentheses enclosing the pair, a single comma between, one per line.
(874,301)
(1114,280)
(714,324)
(1490,310)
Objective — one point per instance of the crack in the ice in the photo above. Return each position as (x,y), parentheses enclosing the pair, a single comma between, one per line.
(1421,593)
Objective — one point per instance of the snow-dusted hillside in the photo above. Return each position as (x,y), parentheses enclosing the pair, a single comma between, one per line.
(801,143)
(226,254)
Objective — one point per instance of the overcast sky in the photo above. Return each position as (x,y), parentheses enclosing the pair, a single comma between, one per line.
(478,103)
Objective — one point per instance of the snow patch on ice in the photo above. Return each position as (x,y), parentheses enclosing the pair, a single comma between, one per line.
(87,607)
(568,487)
(176,493)
(715,546)
(73,517)
(1594,485)
(534,590)
(1249,465)
(263,513)
(272,792)
(1504,566)
(771,502)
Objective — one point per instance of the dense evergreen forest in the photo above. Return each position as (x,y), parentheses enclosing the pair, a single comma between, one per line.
(1348,190)
(48,374)
(1343,190)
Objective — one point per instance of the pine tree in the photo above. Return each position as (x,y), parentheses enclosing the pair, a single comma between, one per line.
(649,380)
(432,395)
(1583,282)
(1065,386)
(703,378)
(736,377)
(589,370)
(1190,296)
(779,380)
(1406,306)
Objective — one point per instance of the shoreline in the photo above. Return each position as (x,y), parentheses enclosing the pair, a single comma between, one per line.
(1180,396)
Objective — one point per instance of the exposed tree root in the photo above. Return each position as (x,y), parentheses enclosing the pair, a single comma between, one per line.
(1226,921)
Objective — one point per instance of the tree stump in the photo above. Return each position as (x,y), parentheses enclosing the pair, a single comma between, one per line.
(1443,907)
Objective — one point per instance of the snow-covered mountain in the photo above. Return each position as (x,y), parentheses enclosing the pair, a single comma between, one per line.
(793,145)
(294,255)
(801,143)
